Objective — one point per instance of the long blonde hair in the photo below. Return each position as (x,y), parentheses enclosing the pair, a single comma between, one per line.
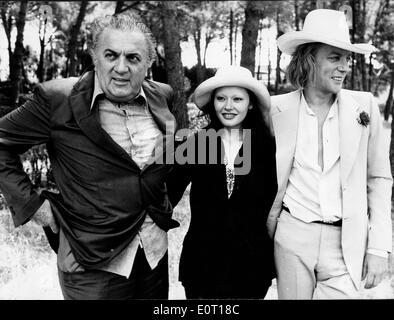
(302,67)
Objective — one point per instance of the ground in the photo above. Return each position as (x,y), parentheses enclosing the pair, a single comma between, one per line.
(28,268)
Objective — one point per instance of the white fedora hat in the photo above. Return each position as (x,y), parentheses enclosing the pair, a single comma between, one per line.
(325,26)
(228,77)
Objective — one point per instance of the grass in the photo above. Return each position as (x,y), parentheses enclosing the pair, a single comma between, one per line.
(26,261)
(28,266)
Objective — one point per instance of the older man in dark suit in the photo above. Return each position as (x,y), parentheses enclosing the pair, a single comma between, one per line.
(102,131)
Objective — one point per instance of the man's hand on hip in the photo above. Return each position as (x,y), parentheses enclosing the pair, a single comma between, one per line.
(44,217)
(374,270)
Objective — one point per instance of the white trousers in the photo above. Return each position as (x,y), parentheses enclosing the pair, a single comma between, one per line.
(309,261)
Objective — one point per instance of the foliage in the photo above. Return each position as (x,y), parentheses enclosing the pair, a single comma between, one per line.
(383,38)
(191,74)
(203,22)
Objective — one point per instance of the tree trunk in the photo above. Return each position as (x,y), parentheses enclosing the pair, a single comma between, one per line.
(197,45)
(249,36)
(7,25)
(361,39)
(296,15)
(388,108)
(173,61)
(235,40)
(278,79)
(208,40)
(40,68)
(363,72)
(119,6)
(49,72)
(72,45)
(370,74)
(381,11)
(269,71)
(259,41)
(353,33)
(17,57)
(231,35)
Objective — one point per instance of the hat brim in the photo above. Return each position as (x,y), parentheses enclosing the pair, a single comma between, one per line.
(203,92)
(288,42)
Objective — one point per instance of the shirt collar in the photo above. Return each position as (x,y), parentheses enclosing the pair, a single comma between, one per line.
(333,109)
(97,91)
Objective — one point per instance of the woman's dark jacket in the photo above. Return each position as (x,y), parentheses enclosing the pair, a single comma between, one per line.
(227,238)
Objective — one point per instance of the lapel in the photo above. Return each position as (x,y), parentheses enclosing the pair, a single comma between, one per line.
(88,120)
(157,102)
(285,123)
(158,106)
(349,132)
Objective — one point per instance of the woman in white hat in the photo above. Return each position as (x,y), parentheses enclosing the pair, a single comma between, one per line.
(231,166)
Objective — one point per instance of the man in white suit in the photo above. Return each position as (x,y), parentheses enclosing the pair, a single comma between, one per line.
(331,219)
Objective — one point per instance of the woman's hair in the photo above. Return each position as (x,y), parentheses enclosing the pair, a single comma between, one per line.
(253,119)
(124,22)
(302,67)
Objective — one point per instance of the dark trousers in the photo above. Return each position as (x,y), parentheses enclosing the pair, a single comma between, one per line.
(226,291)
(143,283)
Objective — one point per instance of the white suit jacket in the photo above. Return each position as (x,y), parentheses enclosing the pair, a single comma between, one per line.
(366,179)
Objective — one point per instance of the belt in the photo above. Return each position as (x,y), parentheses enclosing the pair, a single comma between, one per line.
(337,223)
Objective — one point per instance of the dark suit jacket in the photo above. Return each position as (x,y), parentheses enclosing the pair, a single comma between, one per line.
(227,241)
(104,196)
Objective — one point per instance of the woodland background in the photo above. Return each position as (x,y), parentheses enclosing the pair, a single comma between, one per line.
(27,265)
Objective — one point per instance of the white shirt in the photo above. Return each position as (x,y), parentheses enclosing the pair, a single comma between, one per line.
(312,193)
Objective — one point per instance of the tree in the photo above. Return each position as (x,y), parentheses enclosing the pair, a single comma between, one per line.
(197,43)
(249,35)
(380,14)
(204,21)
(255,14)
(282,15)
(385,32)
(236,16)
(355,33)
(7,13)
(279,32)
(16,65)
(121,6)
(296,16)
(72,44)
(174,66)
(44,18)
(231,35)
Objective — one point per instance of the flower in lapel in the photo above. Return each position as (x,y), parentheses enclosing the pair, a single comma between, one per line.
(363,118)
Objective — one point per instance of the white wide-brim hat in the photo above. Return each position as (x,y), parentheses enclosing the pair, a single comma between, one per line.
(325,26)
(231,76)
